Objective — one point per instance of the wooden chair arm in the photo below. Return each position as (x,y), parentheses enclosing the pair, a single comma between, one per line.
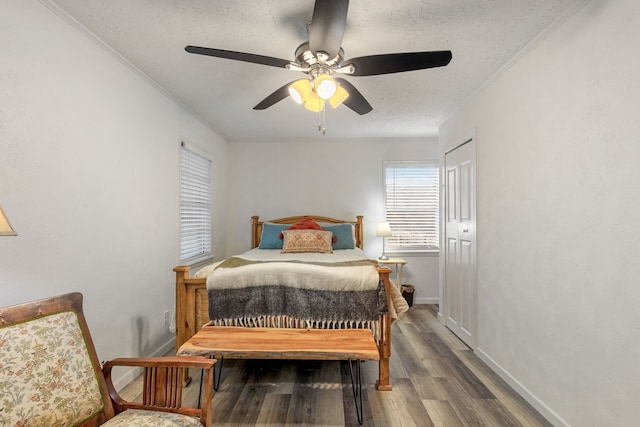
(199,362)
(162,384)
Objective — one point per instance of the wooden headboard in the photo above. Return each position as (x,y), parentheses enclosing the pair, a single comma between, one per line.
(256,227)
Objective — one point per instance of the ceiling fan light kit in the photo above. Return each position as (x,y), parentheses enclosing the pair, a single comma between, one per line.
(323,56)
(323,86)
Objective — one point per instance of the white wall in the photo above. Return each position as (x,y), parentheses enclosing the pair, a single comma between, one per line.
(558,245)
(336,179)
(89,179)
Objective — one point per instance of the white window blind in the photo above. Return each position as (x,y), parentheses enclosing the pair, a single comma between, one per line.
(411,202)
(195,205)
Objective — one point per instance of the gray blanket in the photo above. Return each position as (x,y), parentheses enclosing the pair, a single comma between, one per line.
(247,292)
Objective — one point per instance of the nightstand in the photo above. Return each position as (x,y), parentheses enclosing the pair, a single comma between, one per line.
(399,263)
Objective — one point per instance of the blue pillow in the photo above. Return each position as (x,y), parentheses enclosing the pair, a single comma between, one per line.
(270,238)
(345,235)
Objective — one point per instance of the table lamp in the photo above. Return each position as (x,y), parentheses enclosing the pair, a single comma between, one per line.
(384,231)
(5,227)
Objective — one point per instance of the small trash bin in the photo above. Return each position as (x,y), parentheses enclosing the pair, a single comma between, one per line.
(407,293)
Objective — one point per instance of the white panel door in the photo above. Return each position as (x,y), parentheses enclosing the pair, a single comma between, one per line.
(460,288)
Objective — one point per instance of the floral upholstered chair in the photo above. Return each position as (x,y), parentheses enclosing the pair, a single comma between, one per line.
(50,375)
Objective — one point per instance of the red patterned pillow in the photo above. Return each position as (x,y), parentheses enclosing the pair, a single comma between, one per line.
(296,241)
(307,224)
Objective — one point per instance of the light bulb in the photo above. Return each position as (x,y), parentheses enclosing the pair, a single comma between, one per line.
(325,86)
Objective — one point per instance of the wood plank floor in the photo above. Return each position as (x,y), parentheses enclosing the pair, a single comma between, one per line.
(436,379)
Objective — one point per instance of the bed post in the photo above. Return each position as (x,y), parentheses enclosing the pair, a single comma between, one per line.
(182,307)
(183,310)
(255,233)
(359,232)
(384,346)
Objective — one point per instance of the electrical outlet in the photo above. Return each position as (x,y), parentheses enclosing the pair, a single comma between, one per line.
(167,315)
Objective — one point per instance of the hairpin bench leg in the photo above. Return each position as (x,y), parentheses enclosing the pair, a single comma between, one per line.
(216,378)
(356,385)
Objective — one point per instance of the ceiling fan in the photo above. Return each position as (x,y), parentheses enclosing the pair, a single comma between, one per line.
(322,56)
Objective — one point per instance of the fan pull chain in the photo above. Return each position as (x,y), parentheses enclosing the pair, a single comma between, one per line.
(321,127)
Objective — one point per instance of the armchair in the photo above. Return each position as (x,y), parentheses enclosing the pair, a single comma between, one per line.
(50,374)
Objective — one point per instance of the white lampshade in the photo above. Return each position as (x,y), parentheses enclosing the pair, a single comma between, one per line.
(384,230)
(5,227)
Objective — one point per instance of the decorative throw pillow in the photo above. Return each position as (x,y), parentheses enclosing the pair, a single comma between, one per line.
(306,224)
(343,235)
(296,241)
(270,237)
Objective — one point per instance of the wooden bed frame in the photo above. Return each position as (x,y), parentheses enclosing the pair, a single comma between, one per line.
(192,301)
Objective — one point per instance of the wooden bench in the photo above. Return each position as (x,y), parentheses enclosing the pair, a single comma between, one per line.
(353,345)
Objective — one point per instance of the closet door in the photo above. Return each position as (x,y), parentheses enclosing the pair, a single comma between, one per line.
(460,287)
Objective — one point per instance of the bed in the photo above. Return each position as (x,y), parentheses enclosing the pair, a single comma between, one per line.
(361,294)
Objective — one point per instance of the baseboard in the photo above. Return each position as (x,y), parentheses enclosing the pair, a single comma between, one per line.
(130,374)
(519,388)
(426,300)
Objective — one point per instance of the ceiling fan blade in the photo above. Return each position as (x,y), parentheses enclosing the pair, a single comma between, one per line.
(276,96)
(327,26)
(238,56)
(355,100)
(398,62)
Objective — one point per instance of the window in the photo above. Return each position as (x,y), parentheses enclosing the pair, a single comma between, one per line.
(411,203)
(195,204)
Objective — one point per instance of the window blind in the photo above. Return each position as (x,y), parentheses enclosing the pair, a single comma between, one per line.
(412,206)
(195,205)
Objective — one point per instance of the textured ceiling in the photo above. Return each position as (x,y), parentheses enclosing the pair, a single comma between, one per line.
(483,35)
